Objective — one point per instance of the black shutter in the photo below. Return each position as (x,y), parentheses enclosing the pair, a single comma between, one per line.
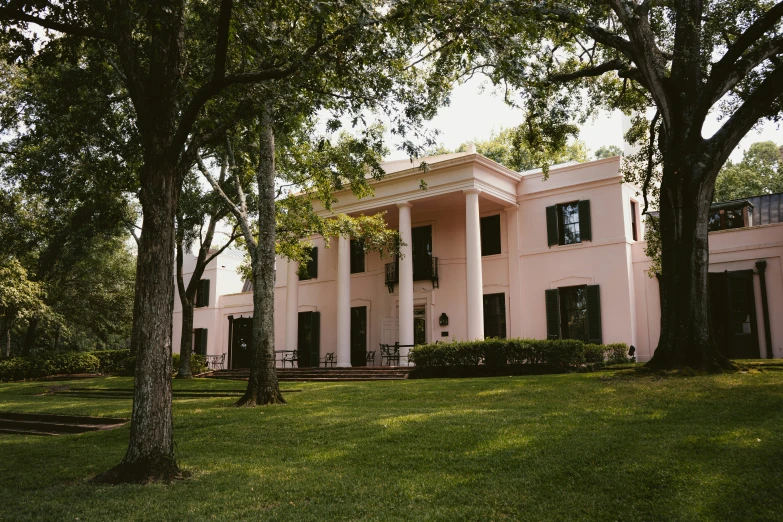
(593,314)
(202,294)
(552,314)
(551,225)
(315,344)
(585,225)
(202,349)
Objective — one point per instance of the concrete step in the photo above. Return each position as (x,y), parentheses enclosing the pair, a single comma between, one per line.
(50,424)
(357,373)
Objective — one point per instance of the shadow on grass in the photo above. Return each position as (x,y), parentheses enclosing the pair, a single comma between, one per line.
(559,447)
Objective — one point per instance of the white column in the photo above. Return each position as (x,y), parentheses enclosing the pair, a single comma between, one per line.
(292,306)
(406,280)
(343,348)
(514,274)
(475,285)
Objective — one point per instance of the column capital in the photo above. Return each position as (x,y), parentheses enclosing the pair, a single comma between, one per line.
(472,190)
(512,208)
(404,204)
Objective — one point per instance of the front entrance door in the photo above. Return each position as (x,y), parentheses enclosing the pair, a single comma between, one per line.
(241,342)
(733,309)
(419,326)
(309,342)
(359,336)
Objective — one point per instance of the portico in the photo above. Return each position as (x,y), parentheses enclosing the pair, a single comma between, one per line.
(439,271)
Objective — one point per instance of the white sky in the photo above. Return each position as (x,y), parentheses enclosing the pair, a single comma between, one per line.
(474,113)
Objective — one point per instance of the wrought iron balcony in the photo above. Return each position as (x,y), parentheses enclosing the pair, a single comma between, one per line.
(423,269)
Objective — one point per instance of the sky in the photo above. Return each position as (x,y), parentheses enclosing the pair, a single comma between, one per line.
(476,111)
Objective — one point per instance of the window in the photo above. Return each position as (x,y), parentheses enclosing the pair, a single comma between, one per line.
(310,270)
(568,223)
(574,312)
(357,256)
(202,293)
(735,214)
(421,247)
(634,228)
(490,235)
(200,341)
(495,316)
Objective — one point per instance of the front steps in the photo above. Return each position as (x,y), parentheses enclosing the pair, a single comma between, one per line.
(356,373)
(52,424)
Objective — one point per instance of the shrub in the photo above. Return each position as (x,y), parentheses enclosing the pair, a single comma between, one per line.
(112,361)
(18,368)
(198,363)
(497,356)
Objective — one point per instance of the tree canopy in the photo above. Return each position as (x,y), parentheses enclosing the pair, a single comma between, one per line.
(759,172)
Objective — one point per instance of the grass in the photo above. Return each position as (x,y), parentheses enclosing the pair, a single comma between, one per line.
(560,447)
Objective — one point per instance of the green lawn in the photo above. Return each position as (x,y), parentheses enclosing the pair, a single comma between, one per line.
(561,447)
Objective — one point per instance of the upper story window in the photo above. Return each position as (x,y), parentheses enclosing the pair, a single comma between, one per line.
(357,256)
(421,250)
(202,293)
(732,214)
(310,270)
(634,226)
(490,235)
(569,223)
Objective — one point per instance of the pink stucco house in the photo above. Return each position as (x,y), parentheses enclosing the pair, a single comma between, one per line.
(494,252)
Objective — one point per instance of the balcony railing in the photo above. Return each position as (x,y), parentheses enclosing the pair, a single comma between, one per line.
(428,269)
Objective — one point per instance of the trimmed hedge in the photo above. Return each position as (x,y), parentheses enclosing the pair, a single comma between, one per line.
(115,362)
(504,356)
(18,368)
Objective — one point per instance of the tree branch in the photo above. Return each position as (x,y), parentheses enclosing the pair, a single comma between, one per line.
(722,80)
(598,70)
(756,106)
(751,35)
(62,27)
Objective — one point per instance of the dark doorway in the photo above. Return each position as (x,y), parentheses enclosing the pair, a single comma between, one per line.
(359,336)
(241,342)
(309,343)
(419,326)
(733,309)
(495,315)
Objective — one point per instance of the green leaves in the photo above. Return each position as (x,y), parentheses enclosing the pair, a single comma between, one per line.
(760,172)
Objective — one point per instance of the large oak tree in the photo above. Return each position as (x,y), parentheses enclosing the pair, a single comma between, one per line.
(685,60)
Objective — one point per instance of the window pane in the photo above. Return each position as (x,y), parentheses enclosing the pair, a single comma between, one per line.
(569,223)
(734,218)
(573,313)
(714,220)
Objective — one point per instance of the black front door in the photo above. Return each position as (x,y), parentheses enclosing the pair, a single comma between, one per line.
(309,339)
(359,336)
(241,342)
(733,310)
(419,326)
(421,246)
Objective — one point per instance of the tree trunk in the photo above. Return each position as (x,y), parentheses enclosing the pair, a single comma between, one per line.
(186,340)
(686,328)
(150,454)
(30,335)
(262,387)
